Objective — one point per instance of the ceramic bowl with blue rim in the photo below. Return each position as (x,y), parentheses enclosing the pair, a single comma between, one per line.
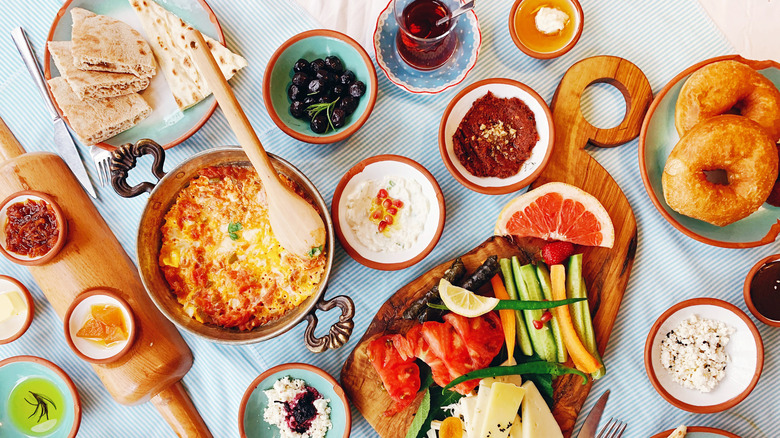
(250,416)
(656,141)
(433,81)
(167,124)
(37,398)
(699,432)
(310,45)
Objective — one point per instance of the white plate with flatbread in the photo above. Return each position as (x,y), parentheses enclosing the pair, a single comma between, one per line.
(167,124)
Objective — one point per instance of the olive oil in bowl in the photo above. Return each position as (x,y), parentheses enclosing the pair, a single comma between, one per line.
(36,407)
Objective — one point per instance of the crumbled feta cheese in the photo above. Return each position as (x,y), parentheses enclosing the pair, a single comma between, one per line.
(285,390)
(694,353)
(550,20)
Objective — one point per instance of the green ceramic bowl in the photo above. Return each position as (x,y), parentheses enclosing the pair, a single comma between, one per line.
(20,374)
(656,141)
(250,415)
(311,45)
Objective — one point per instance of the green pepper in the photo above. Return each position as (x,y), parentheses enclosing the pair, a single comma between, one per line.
(538,367)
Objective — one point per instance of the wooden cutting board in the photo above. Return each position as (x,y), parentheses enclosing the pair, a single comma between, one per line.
(605,270)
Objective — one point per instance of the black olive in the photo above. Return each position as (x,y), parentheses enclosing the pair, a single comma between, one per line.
(317,64)
(319,123)
(348,104)
(298,109)
(340,90)
(308,100)
(334,64)
(338,118)
(316,86)
(357,89)
(301,66)
(301,79)
(295,92)
(347,78)
(324,99)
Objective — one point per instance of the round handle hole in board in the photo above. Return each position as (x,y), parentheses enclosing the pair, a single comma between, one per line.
(603,105)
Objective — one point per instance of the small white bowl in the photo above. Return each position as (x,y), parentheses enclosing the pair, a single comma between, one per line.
(376,169)
(540,155)
(14,327)
(745,351)
(62,226)
(78,314)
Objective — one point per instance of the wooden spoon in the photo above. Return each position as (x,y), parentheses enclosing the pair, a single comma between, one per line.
(296,224)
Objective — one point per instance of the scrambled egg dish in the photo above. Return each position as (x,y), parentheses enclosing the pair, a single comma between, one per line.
(221,259)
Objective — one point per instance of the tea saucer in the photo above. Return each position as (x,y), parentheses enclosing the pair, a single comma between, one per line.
(429,82)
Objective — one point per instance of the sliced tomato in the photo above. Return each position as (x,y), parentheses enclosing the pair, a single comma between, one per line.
(483,336)
(400,377)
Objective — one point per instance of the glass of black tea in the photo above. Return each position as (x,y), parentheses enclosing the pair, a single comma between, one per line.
(420,42)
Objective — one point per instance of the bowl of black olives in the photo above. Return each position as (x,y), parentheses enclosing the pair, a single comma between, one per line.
(320,86)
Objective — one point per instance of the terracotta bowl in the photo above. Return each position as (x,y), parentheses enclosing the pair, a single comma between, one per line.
(699,432)
(78,313)
(656,141)
(62,224)
(250,413)
(17,369)
(579,23)
(379,168)
(15,327)
(745,351)
(540,155)
(746,291)
(311,45)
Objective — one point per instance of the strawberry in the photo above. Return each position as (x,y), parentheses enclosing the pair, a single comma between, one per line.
(555,253)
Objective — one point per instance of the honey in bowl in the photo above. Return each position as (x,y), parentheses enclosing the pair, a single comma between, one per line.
(540,33)
(105,326)
(36,407)
(765,290)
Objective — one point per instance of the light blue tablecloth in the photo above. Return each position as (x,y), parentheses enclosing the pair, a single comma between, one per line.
(661,37)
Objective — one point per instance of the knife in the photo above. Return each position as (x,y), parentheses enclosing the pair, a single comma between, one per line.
(591,424)
(62,139)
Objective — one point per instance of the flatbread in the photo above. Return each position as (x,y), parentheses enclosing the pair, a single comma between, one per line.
(679,432)
(103,43)
(166,32)
(93,84)
(96,120)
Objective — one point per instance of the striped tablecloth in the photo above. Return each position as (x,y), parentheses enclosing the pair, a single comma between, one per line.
(661,37)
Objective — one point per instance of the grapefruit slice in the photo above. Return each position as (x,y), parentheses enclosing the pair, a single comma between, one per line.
(558,211)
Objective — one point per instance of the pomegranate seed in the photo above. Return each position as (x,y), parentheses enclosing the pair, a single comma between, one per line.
(389,219)
(382,194)
(377,214)
(546,316)
(392,210)
(387,203)
(398,203)
(382,225)
(538,324)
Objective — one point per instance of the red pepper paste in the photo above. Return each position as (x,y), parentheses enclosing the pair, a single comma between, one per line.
(496,136)
(31,229)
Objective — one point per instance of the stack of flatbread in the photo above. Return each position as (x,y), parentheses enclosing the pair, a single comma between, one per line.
(101,72)
(167,30)
(679,432)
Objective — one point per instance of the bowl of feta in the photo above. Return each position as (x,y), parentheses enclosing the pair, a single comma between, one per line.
(704,355)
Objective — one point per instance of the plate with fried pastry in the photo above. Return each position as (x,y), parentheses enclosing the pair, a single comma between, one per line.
(118,71)
(708,152)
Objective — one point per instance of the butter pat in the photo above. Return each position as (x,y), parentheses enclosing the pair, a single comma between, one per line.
(11,304)
(538,421)
(550,20)
(502,407)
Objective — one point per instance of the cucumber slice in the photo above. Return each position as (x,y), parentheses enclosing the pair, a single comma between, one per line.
(542,339)
(523,339)
(544,281)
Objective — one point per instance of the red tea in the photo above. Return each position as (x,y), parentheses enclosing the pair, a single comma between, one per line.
(422,45)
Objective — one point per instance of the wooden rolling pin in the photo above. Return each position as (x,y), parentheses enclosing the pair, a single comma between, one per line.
(93,258)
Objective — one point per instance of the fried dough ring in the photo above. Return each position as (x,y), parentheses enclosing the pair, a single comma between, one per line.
(725,87)
(732,143)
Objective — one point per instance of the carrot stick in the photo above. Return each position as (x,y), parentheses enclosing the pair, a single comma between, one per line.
(580,355)
(507,316)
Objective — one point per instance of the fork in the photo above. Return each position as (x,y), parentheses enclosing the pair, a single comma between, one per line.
(613,429)
(102,159)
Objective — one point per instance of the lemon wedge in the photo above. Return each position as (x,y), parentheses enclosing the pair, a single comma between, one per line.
(464,302)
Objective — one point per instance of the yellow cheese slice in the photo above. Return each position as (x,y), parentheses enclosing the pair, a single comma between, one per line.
(483,396)
(538,421)
(517,428)
(11,304)
(502,407)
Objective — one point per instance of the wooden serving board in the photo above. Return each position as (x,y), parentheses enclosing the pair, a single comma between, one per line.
(605,270)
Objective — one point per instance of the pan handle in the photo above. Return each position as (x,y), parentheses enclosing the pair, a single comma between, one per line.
(339,333)
(123,159)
